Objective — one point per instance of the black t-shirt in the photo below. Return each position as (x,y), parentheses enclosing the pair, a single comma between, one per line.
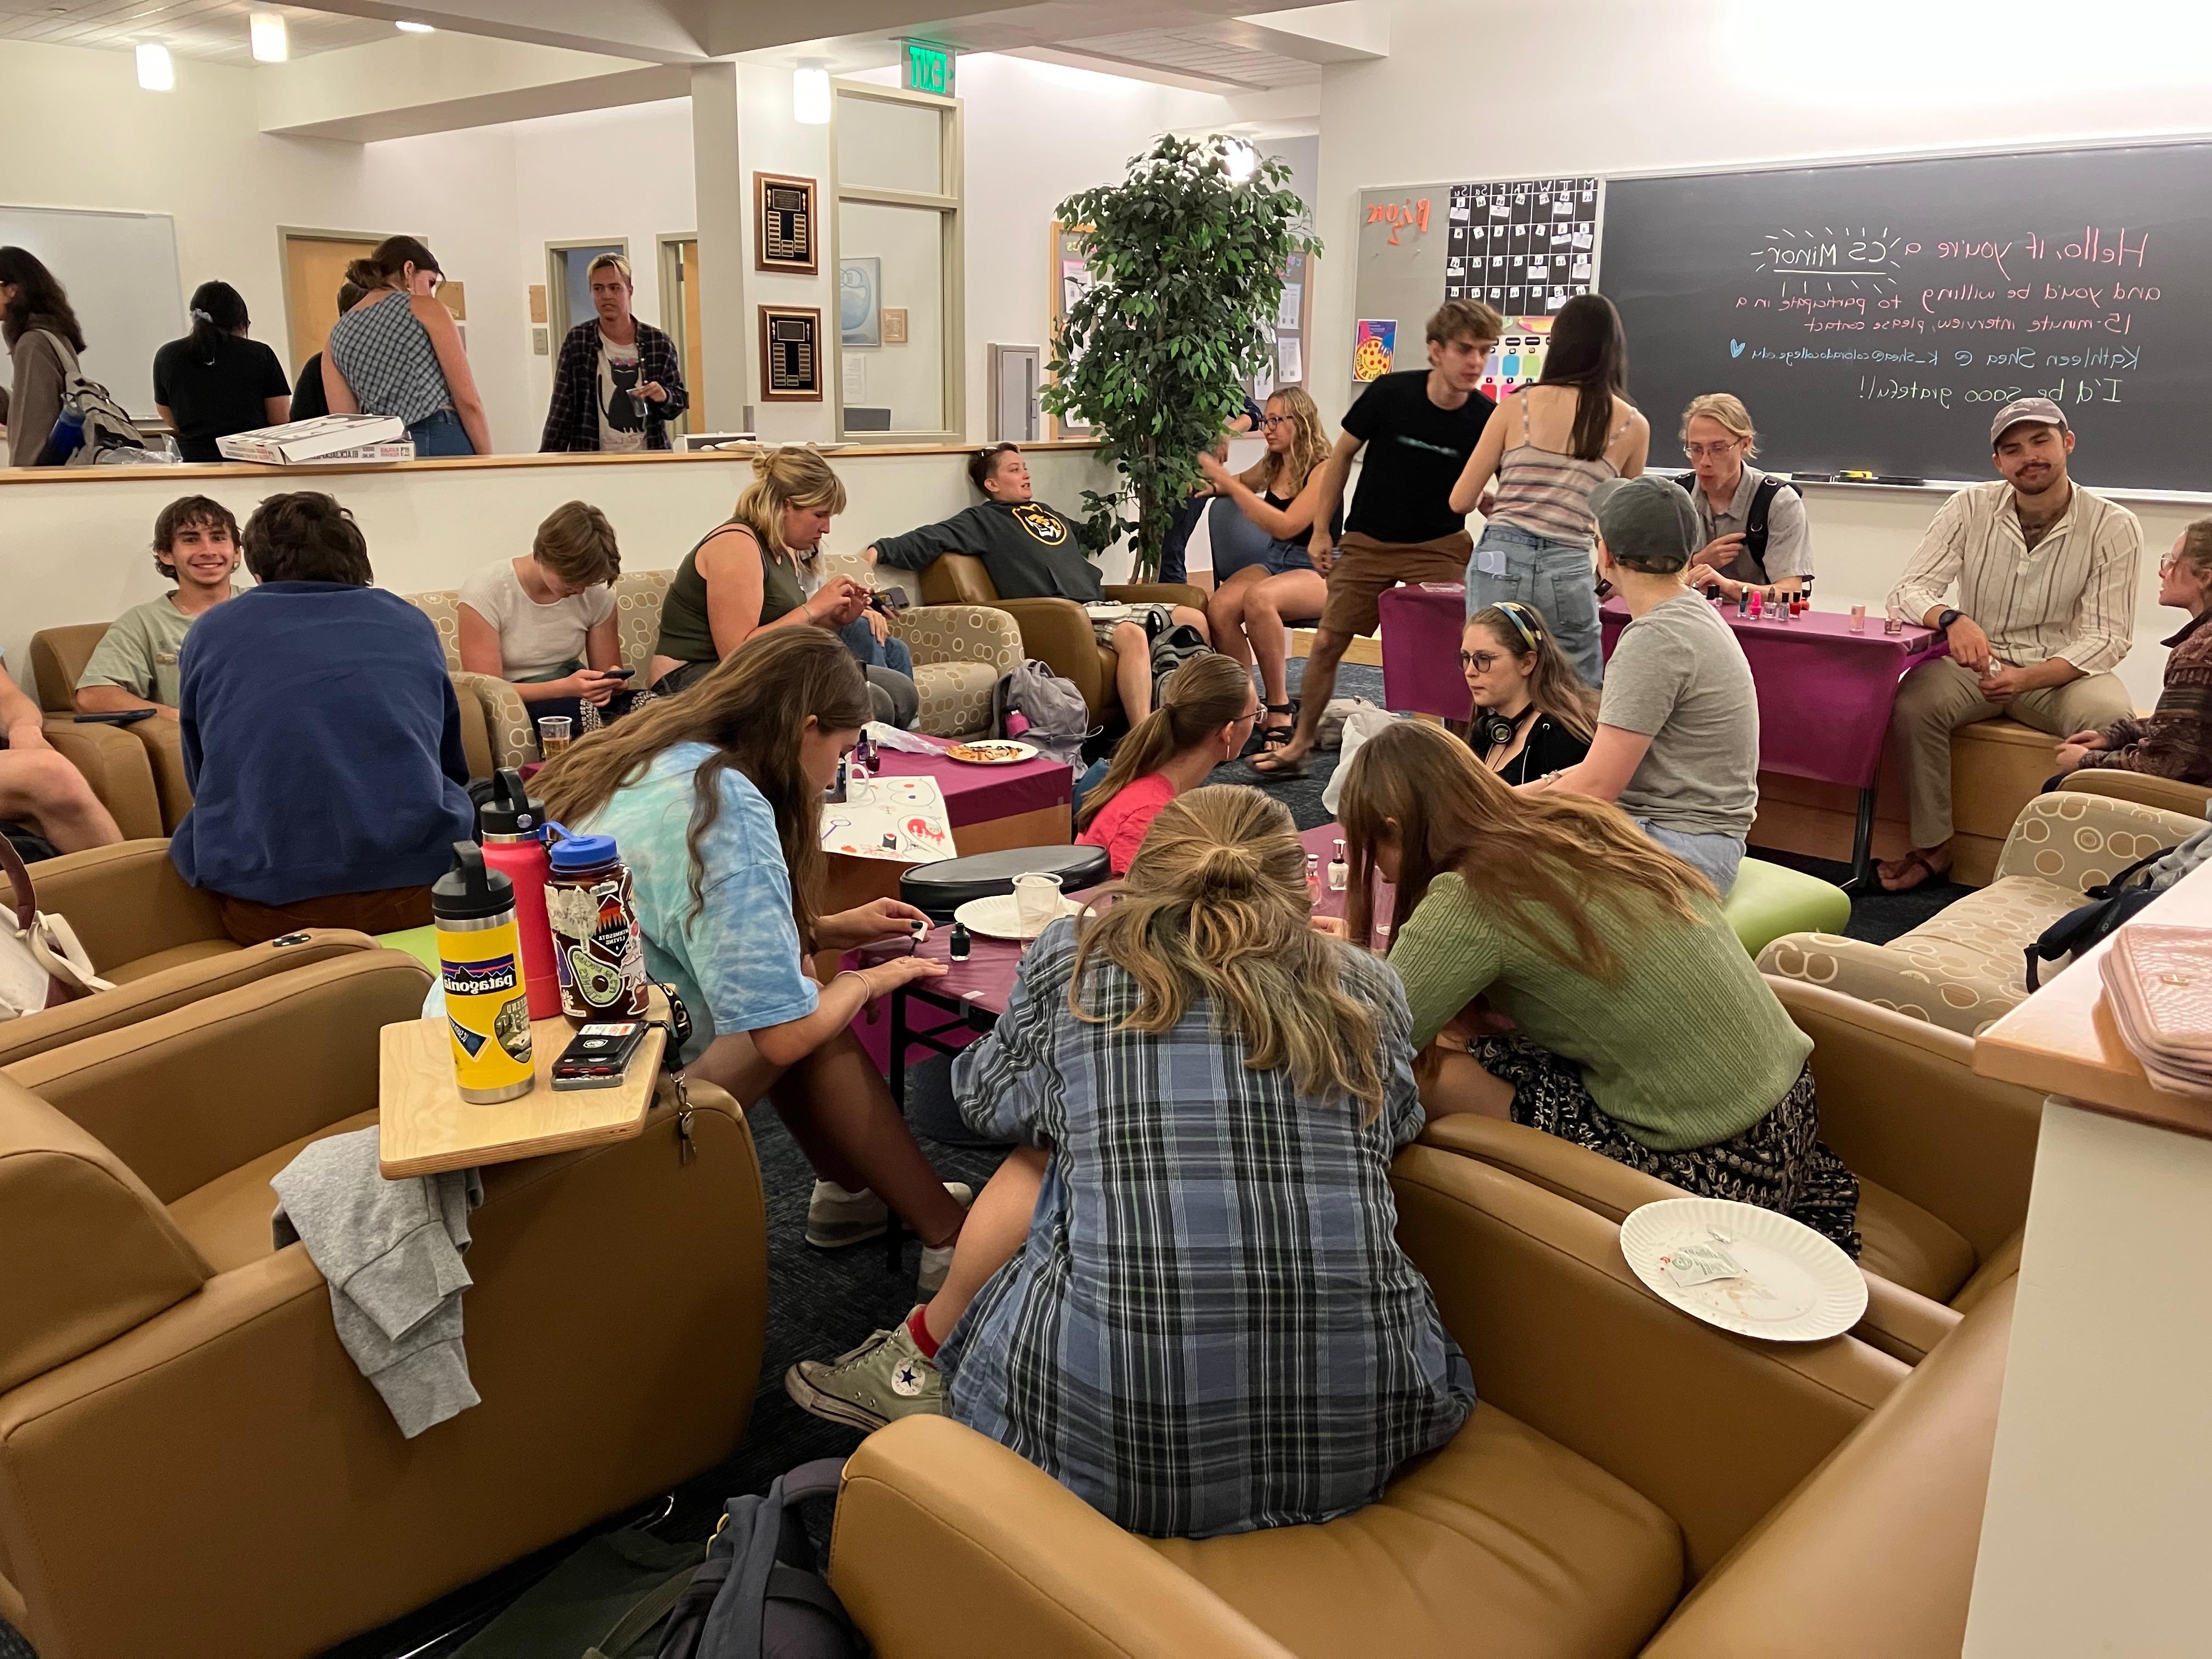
(213,400)
(1415,454)
(309,401)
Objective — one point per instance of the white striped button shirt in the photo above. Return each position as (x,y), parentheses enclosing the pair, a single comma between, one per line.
(2072,595)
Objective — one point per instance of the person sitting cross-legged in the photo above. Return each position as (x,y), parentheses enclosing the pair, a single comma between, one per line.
(1222,1339)
(1031,553)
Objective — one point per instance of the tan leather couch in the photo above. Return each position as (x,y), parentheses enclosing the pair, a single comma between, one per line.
(1944,1160)
(1633,1482)
(1055,632)
(191,1466)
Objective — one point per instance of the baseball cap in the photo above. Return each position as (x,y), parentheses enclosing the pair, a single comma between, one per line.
(2039,410)
(1647,522)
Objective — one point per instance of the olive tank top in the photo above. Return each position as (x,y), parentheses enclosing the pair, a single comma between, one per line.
(685,632)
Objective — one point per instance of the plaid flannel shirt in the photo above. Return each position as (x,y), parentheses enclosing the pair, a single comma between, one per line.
(573,420)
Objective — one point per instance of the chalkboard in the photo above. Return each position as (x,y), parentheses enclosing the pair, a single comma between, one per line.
(1877,316)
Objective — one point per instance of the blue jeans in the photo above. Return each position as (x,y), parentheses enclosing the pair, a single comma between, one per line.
(1717,857)
(1175,546)
(442,434)
(1554,577)
(860,640)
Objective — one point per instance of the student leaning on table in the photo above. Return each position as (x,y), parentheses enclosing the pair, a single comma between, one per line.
(2045,574)
(1742,542)
(714,799)
(1639,1026)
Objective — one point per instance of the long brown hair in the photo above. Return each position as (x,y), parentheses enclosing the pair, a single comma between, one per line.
(1588,350)
(752,707)
(1286,474)
(1196,700)
(1216,907)
(1544,860)
(793,476)
(1553,686)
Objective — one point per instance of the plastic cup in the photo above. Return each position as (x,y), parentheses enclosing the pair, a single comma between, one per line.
(1858,619)
(1037,902)
(555,732)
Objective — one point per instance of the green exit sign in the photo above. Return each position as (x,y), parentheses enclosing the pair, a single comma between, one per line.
(927,68)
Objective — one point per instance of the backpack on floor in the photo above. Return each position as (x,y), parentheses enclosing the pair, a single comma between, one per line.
(1175,646)
(760,1594)
(1058,719)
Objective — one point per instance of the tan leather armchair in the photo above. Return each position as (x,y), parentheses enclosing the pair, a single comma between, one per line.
(1817,1501)
(1055,632)
(2170,794)
(172,1394)
(138,774)
(1944,1160)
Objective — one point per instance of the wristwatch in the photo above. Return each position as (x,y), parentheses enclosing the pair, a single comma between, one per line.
(1944,619)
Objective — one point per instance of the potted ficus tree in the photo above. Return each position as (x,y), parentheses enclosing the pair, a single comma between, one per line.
(1186,266)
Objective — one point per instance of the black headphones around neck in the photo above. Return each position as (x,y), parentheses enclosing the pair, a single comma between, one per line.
(1497,730)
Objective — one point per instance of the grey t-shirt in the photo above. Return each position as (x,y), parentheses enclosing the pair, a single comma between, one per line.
(1679,676)
(1788,534)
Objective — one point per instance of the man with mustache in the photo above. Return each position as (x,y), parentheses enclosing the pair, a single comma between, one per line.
(2045,574)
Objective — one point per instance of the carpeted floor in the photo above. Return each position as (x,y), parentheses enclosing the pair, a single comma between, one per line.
(821,1303)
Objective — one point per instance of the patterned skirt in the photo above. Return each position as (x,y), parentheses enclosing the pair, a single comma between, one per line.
(1777,1163)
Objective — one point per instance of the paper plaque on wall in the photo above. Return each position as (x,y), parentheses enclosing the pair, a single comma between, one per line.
(894,324)
(783,224)
(791,354)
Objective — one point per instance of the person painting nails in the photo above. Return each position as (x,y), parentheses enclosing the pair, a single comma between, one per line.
(1752,526)
(1206,714)
(2046,576)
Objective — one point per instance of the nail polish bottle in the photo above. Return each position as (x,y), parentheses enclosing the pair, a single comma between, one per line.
(1312,874)
(1743,602)
(959,943)
(1757,604)
(1339,872)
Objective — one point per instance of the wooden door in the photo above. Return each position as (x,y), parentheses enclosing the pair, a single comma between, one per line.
(683,267)
(314,269)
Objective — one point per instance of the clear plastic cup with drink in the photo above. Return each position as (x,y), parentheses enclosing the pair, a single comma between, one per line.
(554,734)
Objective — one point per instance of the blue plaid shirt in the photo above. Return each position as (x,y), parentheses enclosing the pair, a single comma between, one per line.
(1211,1326)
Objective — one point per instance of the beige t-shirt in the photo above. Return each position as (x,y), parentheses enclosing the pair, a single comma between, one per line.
(536,642)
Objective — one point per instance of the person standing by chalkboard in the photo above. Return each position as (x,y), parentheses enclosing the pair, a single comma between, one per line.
(1418,428)
(214,381)
(2046,574)
(1753,526)
(1551,444)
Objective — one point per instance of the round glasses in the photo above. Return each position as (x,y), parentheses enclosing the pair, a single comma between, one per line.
(1481,661)
(1266,420)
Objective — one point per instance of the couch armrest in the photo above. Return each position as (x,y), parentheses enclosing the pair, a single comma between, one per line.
(960,633)
(114,763)
(506,719)
(1924,982)
(956,579)
(2144,788)
(193,1094)
(126,901)
(1561,1334)
(2074,839)
(89,1253)
(948,1544)
(163,740)
(1058,633)
(1158,593)
(1901,1105)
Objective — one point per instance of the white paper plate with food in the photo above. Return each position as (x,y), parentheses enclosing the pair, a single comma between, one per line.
(992,752)
(1751,1271)
(1001,917)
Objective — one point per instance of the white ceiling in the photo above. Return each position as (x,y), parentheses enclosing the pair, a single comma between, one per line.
(1199,56)
(211,29)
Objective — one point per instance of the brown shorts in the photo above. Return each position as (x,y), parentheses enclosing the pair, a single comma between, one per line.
(1364,569)
(386,910)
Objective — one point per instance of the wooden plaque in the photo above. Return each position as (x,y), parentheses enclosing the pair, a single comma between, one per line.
(791,354)
(894,324)
(784,236)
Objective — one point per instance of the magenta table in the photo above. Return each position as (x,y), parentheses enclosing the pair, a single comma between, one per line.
(1422,623)
(976,795)
(1825,695)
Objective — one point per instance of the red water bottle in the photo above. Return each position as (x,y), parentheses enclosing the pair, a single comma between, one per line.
(514,845)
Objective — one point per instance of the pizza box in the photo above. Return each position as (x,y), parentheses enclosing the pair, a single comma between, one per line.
(312,440)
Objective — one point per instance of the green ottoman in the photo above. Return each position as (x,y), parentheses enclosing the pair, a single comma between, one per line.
(421,943)
(1769,900)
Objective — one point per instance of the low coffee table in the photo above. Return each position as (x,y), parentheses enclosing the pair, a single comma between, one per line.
(991,808)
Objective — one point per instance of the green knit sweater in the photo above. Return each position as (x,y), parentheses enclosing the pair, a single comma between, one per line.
(1684,1046)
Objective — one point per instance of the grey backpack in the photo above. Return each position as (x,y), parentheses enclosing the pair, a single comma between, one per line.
(760,1593)
(1058,719)
(105,434)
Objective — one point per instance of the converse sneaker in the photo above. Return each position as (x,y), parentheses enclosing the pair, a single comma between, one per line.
(884,1379)
(836,1217)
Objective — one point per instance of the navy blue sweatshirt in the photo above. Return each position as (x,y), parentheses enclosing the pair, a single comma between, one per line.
(323,745)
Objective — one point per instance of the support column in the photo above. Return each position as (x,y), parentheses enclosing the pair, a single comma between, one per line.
(726,348)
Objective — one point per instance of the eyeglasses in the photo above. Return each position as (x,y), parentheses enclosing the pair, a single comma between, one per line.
(1266,420)
(1696,452)
(1481,661)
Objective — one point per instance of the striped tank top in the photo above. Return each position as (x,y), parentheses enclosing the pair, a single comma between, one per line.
(1546,492)
(387,357)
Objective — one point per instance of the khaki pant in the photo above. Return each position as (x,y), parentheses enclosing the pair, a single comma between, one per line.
(1935,700)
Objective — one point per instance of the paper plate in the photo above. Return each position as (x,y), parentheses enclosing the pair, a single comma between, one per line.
(1024,751)
(999,917)
(1795,1287)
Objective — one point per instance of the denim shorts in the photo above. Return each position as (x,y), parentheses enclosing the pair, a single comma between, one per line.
(1716,856)
(1555,577)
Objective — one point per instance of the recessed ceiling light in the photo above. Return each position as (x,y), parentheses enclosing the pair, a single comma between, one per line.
(271,44)
(155,72)
(408,26)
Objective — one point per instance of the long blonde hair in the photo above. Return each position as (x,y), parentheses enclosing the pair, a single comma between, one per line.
(752,707)
(1196,700)
(1287,473)
(1216,907)
(1553,686)
(1532,857)
(793,476)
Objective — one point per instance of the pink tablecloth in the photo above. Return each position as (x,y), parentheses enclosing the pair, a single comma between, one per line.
(1825,693)
(1422,623)
(974,794)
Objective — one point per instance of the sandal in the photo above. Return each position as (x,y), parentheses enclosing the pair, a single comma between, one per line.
(1905,866)
(1272,765)
(1268,735)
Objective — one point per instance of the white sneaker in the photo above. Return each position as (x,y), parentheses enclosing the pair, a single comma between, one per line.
(936,1262)
(837,1218)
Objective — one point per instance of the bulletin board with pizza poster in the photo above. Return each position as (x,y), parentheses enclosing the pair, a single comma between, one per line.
(1524,247)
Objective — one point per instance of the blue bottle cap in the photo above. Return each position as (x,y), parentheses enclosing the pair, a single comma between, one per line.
(570,852)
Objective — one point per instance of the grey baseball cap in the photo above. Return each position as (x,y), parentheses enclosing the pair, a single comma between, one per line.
(2040,411)
(1647,522)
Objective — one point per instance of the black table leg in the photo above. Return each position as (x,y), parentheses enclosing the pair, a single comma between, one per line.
(1863,842)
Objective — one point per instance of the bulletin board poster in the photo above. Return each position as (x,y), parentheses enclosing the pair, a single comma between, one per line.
(1374,342)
